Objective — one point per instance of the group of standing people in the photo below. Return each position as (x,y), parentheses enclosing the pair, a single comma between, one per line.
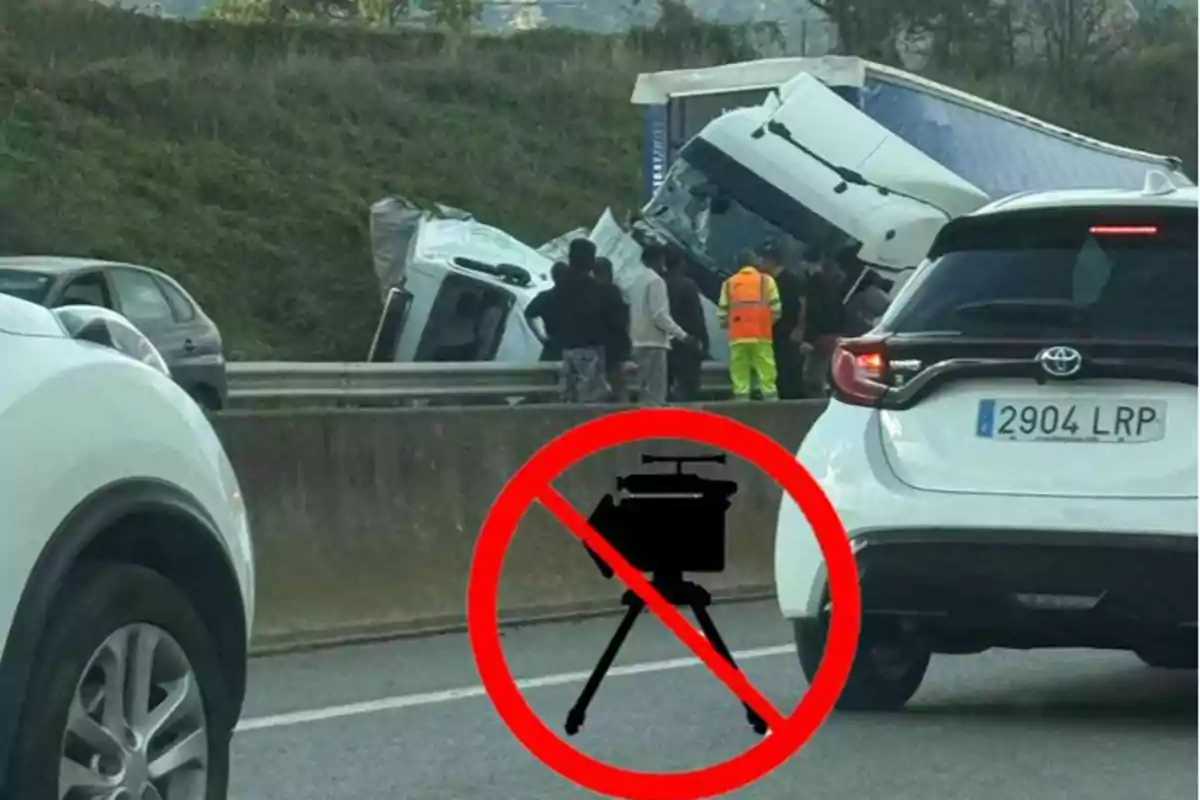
(595,330)
(781,322)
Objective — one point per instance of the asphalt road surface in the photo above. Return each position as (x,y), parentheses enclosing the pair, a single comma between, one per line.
(407,721)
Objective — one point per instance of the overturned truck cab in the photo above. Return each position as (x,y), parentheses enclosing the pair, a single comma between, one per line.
(838,154)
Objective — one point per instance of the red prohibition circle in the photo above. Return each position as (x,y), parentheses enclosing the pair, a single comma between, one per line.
(529,484)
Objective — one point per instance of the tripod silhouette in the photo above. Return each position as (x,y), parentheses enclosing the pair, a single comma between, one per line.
(678,592)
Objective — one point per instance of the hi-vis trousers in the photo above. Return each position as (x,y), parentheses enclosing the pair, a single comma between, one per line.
(755,357)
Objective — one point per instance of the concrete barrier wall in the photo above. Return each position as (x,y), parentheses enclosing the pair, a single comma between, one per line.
(365,522)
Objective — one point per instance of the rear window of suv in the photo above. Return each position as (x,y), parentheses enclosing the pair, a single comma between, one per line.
(1107,274)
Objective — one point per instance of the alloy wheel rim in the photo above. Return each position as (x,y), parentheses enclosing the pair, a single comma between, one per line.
(136,728)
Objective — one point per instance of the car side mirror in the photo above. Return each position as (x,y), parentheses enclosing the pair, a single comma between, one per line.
(95,331)
(103,326)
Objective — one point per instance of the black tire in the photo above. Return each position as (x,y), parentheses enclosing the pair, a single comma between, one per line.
(871,687)
(206,397)
(97,600)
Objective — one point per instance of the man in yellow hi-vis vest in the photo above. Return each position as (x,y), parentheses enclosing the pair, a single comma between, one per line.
(748,308)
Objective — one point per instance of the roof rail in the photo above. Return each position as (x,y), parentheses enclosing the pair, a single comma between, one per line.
(1158,183)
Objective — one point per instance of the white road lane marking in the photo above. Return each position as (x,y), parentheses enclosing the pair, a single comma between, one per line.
(450,695)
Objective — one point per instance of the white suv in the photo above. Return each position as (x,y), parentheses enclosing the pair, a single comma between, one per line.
(1012,449)
(126,570)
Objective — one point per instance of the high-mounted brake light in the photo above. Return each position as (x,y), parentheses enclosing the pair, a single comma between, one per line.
(1124,230)
(858,370)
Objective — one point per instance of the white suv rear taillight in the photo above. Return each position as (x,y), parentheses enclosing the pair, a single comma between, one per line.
(858,371)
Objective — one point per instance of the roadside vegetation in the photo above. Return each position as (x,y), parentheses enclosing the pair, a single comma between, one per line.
(242,156)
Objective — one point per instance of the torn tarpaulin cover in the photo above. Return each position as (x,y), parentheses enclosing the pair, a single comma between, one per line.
(611,240)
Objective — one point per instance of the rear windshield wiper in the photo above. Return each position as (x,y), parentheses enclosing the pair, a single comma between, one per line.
(1060,312)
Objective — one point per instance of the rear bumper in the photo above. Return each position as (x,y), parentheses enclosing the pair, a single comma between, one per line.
(1030,543)
(1028,565)
(967,591)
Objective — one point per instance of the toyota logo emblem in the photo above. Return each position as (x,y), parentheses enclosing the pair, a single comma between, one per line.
(1060,362)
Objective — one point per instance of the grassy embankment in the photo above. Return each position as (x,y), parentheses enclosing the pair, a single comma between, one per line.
(243,159)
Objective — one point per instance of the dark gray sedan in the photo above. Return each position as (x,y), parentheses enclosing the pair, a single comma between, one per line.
(154,302)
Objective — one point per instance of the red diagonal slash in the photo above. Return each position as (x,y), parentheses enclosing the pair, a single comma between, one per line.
(575,522)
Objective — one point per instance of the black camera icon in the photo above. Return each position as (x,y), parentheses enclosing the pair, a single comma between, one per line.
(666,523)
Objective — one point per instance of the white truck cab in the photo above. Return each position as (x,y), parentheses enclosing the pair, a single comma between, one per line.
(767,172)
(457,289)
(755,165)
(839,154)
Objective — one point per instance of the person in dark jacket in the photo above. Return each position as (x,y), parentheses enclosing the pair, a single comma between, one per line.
(583,329)
(824,322)
(685,359)
(789,328)
(544,306)
(617,348)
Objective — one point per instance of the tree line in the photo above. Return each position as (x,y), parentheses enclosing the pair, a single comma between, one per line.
(985,35)
(457,15)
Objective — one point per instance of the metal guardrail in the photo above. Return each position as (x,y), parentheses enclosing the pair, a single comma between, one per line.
(352,383)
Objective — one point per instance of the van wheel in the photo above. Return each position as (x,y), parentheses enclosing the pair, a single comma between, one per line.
(886,674)
(126,697)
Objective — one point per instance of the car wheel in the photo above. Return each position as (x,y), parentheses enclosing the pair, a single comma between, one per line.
(886,674)
(126,699)
(206,398)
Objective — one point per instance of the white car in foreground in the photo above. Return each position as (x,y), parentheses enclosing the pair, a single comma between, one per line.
(126,569)
(1012,450)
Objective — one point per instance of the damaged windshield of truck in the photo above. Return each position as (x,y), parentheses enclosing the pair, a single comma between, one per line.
(715,207)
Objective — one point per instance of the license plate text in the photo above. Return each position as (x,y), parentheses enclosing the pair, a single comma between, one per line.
(1109,421)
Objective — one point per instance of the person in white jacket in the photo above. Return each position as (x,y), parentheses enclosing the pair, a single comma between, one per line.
(651,328)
